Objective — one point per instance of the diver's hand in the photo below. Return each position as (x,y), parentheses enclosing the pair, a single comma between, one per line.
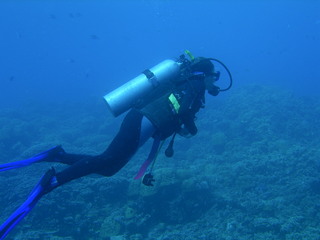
(183,132)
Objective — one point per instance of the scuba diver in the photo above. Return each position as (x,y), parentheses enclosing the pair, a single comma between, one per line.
(162,102)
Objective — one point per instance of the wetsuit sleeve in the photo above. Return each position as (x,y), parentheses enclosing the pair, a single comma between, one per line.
(192,101)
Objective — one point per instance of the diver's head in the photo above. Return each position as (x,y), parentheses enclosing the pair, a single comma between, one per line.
(205,66)
(201,64)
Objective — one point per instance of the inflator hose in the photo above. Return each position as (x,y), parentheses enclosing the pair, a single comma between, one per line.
(229,73)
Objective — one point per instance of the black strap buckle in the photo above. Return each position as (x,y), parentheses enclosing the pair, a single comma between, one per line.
(151,77)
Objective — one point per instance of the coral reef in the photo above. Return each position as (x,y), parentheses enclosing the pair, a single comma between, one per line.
(251,173)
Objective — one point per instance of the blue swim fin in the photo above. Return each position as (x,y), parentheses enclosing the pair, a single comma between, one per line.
(48,155)
(44,186)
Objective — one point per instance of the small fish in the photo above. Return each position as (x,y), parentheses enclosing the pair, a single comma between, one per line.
(75,15)
(18,35)
(87,75)
(94,37)
(52,16)
(71,60)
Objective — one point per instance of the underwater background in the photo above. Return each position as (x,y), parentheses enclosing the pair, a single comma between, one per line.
(251,172)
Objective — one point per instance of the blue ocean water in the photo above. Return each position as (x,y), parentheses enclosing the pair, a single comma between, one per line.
(255,162)
(69,49)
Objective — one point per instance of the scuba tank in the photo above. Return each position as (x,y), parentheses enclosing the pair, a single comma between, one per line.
(128,95)
(153,83)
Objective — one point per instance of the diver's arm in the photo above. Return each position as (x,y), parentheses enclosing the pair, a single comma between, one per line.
(189,126)
(191,102)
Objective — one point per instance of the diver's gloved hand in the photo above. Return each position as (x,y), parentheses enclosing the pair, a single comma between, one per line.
(214,90)
(184,132)
(189,126)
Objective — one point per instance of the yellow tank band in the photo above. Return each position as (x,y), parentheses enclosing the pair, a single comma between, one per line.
(175,104)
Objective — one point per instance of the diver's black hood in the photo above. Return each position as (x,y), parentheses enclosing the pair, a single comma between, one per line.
(201,64)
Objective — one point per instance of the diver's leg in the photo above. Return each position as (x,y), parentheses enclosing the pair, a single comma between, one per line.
(51,155)
(46,184)
(118,153)
(134,132)
(114,164)
(147,131)
(70,159)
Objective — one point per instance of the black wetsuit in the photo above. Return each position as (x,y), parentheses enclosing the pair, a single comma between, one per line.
(192,100)
(126,142)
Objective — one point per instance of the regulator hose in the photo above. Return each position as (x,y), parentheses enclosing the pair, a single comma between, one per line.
(229,73)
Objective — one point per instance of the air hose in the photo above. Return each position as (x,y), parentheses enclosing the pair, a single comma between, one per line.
(229,73)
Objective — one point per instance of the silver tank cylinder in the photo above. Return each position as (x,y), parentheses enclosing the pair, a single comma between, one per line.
(124,97)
